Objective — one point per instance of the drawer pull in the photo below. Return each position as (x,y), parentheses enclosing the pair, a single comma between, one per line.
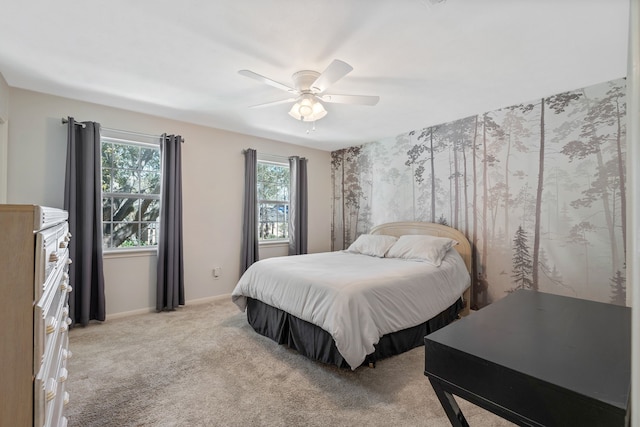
(68,321)
(63,375)
(69,260)
(50,390)
(69,288)
(64,327)
(63,287)
(53,257)
(63,245)
(50,325)
(66,397)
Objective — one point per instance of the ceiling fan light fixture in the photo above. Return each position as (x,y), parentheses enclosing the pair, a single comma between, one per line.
(307,109)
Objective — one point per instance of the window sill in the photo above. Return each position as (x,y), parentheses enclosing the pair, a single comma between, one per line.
(130,253)
(274,243)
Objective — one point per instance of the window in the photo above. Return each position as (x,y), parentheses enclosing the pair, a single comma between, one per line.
(273,201)
(131,179)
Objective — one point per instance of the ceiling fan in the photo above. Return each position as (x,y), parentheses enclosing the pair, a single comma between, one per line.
(309,89)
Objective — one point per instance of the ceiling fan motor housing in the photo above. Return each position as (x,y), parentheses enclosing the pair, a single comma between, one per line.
(303,80)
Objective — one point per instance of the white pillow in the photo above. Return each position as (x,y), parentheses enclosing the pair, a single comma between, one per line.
(372,244)
(425,248)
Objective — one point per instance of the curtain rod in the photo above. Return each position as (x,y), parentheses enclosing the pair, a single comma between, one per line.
(65,121)
(272,156)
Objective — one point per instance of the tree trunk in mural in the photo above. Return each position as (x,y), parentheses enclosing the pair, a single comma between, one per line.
(450,184)
(602,172)
(413,193)
(352,191)
(489,129)
(495,195)
(485,198)
(616,93)
(536,229)
(466,192)
(456,187)
(334,165)
(433,177)
(363,165)
(623,191)
(474,239)
(506,189)
(342,192)
(557,104)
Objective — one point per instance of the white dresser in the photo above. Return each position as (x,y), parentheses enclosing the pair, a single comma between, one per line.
(34,315)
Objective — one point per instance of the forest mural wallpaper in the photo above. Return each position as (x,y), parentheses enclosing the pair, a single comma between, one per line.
(538,188)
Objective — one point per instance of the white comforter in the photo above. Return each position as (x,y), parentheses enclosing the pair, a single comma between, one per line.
(356,298)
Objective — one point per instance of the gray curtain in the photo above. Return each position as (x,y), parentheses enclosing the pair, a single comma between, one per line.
(298,206)
(170,286)
(250,252)
(82,199)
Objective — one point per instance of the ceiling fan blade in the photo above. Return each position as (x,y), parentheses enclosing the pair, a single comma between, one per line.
(272,103)
(351,99)
(334,72)
(266,80)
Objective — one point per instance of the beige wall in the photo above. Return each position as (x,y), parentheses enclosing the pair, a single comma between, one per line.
(213,175)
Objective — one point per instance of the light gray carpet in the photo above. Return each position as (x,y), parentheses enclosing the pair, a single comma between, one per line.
(203,365)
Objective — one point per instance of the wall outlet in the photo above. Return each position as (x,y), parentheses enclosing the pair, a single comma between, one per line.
(217,272)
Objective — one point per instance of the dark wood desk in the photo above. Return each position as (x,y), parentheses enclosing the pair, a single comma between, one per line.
(536,359)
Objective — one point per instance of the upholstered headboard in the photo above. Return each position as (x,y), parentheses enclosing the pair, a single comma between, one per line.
(463,247)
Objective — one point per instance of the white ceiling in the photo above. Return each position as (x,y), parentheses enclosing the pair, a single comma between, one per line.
(430,61)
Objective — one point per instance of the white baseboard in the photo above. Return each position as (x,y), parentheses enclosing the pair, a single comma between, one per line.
(111,316)
(210,299)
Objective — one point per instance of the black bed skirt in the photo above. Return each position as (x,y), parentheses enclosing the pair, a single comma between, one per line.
(317,344)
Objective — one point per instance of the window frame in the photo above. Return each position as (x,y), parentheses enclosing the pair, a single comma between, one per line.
(142,141)
(281,162)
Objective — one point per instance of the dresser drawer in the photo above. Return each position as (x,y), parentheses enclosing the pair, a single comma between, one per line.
(50,383)
(49,314)
(55,406)
(51,254)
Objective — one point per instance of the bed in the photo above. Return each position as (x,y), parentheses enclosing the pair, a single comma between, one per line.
(357,306)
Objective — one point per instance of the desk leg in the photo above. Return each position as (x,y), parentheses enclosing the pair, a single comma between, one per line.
(449,404)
